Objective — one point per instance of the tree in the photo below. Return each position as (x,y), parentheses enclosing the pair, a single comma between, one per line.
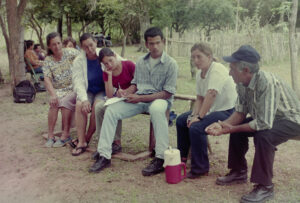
(294,48)
(13,33)
(34,23)
(213,15)
(120,13)
(144,21)
(176,14)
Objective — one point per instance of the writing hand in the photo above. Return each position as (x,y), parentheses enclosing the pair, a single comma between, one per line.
(133,98)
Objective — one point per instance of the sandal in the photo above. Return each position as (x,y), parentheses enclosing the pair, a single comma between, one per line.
(82,150)
(73,143)
(50,142)
(61,143)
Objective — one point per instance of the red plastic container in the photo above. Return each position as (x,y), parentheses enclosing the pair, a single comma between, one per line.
(174,173)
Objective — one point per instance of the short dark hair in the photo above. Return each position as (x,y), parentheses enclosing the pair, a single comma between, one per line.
(49,38)
(86,36)
(105,52)
(27,44)
(153,32)
(36,46)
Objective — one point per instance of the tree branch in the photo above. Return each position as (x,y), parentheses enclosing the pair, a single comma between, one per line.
(21,8)
(4,32)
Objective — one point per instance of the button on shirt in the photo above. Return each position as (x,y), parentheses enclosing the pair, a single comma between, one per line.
(161,77)
(266,99)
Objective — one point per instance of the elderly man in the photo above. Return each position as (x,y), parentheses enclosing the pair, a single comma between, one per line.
(152,90)
(275,118)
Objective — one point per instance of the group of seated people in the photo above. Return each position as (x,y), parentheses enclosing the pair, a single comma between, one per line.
(78,82)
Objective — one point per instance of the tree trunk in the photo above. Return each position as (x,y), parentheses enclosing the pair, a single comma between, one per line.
(59,25)
(69,25)
(14,13)
(144,21)
(124,43)
(237,16)
(129,40)
(294,48)
(1,78)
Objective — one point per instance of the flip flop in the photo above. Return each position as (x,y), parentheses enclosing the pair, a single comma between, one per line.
(82,150)
(72,143)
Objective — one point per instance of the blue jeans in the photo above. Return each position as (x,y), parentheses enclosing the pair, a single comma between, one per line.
(196,138)
(118,111)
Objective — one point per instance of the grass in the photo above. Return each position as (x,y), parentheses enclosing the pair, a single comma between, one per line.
(65,178)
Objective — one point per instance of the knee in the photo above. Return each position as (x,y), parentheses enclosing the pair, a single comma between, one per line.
(197,128)
(261,137)
(53,109)
(110,112)
(99,108)
(197,132)
(78,106)
(158,106)
(181,121)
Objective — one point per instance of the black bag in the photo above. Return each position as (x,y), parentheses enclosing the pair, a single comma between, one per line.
(24,92)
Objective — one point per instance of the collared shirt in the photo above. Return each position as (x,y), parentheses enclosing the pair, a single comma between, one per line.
(266,99)
(162,77)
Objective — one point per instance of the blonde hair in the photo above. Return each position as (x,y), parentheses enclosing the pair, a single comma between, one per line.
(204,48)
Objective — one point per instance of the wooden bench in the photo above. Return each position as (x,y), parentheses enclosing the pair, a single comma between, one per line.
(150,152)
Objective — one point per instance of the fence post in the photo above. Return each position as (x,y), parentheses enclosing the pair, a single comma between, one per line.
(167,39)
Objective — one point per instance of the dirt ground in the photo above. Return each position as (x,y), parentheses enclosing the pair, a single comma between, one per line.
(31,173)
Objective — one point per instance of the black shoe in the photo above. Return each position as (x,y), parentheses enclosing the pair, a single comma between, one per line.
(116,148)
(260,193)
(233,177)
(192,175)
(95,156)
(99,165)
(155,167)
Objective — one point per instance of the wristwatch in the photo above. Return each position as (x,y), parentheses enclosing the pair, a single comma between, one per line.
(199,118)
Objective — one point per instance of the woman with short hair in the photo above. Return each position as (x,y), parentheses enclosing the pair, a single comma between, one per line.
(216,96)
(58,82)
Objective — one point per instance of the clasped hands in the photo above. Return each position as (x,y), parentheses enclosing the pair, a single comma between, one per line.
(218,128)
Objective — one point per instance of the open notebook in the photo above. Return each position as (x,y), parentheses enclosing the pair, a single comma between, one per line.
(113,100)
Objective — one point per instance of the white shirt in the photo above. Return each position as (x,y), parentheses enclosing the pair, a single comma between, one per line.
(217,78)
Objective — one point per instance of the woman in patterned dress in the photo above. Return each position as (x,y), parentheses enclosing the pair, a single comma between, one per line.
(58,82)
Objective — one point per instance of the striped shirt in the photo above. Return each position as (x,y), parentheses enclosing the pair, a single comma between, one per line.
(266,99)
(161,77)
